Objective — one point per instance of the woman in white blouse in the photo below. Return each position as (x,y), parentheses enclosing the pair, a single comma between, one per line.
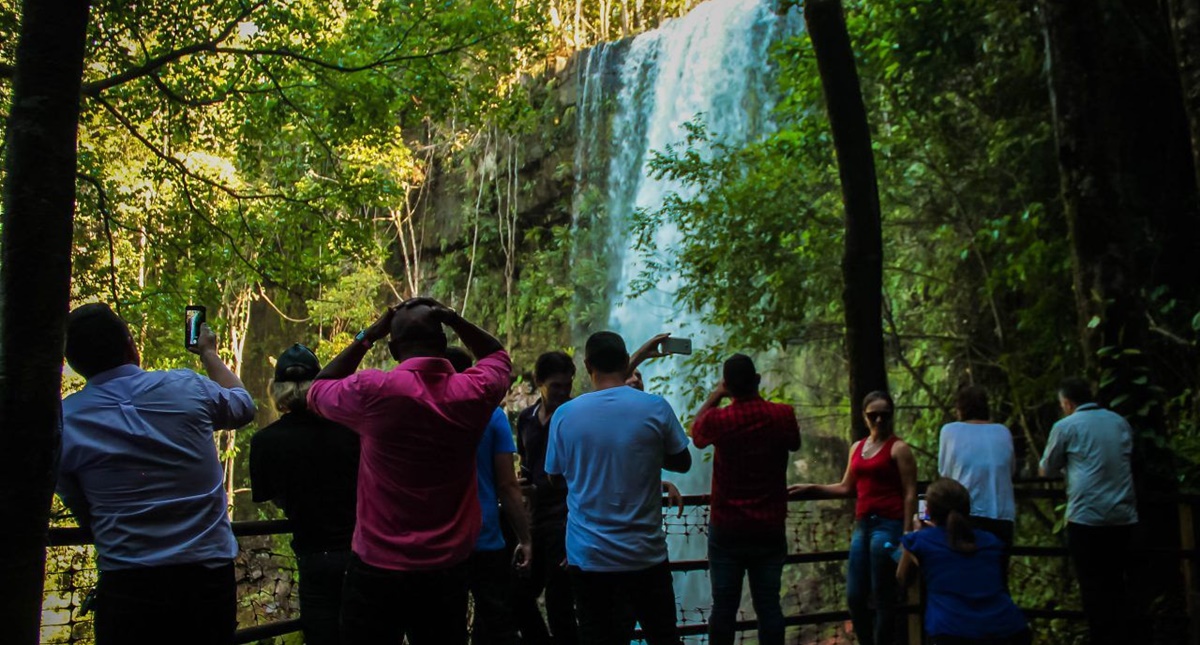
(978,453)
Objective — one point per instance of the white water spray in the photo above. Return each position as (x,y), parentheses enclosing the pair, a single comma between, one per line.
(712,65)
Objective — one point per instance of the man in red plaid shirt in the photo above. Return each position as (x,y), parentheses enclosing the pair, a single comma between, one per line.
(749,499)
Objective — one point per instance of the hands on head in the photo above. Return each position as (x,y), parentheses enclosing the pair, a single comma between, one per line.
(440,312)
(382,327)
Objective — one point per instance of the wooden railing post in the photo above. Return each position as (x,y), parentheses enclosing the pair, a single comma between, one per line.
(1187,544)
(915,598)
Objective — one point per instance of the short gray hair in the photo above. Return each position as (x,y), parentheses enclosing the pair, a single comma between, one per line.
(290,396)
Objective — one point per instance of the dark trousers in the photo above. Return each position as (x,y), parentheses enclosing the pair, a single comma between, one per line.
(322,576)
(381,606)
(609,602)
(186,604)
(729,560)
(1100,555)
(489,581)
(546,573)
(1002,529)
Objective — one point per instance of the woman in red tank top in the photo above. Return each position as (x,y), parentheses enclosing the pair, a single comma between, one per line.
(882,477)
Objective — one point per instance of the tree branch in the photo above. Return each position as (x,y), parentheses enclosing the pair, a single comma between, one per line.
(94,89)
(182,167)
(379,62)
(105,216)
(174,96)
(263,292)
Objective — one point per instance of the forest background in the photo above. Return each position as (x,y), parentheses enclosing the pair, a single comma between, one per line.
(295,166)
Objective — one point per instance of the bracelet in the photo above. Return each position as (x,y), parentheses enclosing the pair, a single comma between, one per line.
(361,337)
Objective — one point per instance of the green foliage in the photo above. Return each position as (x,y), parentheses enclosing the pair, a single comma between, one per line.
(976,262)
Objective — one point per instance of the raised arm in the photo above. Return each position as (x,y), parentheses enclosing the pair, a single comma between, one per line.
(214,367)
(842,489)
(700,433)
(907,465)
(347,362)
(651,349)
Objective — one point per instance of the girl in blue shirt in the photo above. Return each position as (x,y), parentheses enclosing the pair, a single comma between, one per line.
(966,602)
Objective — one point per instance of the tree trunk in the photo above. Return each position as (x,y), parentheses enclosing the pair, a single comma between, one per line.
(1128,187)
(1185,30)
(35,279)
(862,261)
(1129,195)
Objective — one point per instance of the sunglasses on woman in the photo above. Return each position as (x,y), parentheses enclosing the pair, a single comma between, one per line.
(876,417)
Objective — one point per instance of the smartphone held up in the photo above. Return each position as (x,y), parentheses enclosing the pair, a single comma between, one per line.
(194,316)
(672,345)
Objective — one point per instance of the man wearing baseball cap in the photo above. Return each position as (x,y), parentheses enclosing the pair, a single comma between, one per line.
(308,466)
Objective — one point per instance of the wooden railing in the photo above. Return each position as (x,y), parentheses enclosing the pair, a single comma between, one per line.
(1186,554)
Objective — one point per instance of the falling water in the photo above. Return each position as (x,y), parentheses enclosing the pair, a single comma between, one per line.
(636,95)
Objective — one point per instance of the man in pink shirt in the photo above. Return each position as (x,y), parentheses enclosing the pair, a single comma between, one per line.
(418,510)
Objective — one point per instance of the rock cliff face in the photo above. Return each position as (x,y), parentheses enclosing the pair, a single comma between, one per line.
(544,159)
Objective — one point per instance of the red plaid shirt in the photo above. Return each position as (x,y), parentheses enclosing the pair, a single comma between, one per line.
(753,438)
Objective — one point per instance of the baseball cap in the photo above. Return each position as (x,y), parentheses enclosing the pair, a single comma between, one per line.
(298,363)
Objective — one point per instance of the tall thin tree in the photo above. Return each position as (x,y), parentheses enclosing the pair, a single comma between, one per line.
(862,259)
(35,279)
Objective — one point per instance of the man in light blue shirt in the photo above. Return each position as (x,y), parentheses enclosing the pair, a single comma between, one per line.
(609,447)
(140,469)
(1094,445)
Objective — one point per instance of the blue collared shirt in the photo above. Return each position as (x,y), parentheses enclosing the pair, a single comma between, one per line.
(1094,445)
(139,461)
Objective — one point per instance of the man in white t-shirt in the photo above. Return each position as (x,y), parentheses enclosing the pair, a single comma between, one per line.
(608,448)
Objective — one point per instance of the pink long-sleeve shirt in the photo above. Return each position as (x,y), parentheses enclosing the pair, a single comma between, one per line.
(419,424)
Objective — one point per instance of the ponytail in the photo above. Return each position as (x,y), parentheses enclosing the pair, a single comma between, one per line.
(949,505)
(959,535)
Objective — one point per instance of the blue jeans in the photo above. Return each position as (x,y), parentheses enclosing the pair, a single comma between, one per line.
(729,560)
(871,574)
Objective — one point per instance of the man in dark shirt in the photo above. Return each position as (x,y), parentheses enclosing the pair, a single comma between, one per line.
(749,499)
(553,375)
(309,467)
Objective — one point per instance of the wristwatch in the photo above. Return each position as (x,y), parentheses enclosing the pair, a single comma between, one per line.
(361,337)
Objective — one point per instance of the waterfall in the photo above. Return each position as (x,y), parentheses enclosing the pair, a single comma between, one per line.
(635,97)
